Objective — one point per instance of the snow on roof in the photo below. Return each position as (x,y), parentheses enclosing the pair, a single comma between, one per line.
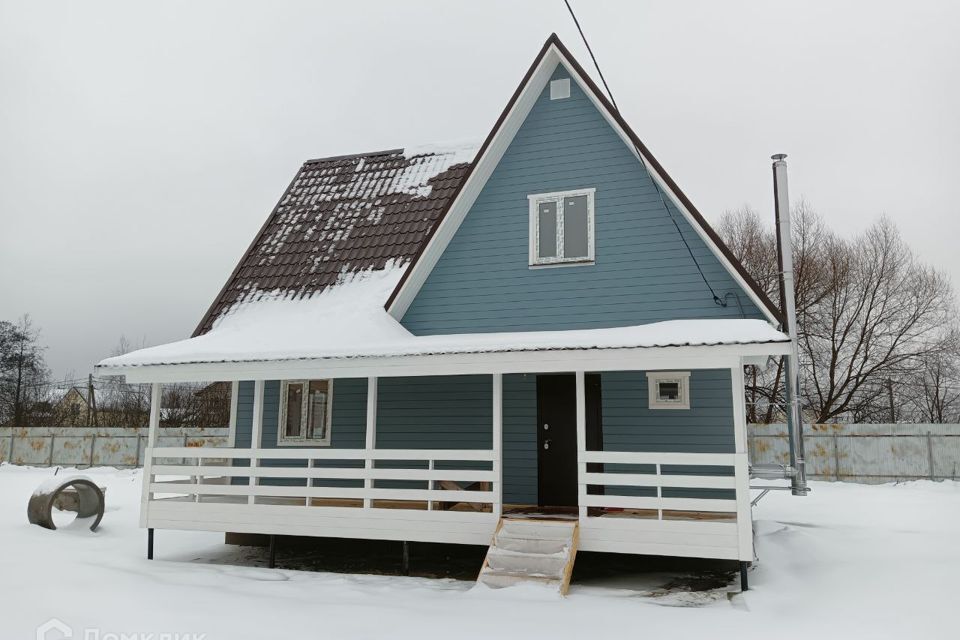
(346,214)
(348,321)
(427,162)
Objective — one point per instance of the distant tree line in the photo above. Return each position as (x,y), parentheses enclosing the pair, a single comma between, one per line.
(876,326)
(30,397)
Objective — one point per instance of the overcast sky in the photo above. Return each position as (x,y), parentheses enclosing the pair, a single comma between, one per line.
(143,144)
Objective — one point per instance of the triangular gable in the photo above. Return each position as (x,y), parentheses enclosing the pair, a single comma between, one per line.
(496,144)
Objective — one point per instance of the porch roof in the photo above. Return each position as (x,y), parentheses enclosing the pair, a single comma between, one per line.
(348,322)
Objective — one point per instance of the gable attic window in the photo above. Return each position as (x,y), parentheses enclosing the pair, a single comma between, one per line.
(669,389)
(561,227)
(305,412)
(560,89)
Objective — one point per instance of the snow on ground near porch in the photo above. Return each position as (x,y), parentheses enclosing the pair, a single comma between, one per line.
(348,320)
(849,561)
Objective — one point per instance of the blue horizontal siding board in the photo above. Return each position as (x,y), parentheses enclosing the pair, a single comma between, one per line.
(643,271)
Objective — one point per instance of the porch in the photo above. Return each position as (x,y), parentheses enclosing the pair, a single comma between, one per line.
(656,502)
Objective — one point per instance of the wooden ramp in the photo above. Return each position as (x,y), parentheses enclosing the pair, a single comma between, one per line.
(528,550)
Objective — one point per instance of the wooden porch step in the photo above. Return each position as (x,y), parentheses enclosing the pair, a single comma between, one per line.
(525,550)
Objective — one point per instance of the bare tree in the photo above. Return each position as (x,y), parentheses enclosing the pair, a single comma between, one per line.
(182,405)
(869,312)
(933,391)
(755,245)
(881,312)
(23,373)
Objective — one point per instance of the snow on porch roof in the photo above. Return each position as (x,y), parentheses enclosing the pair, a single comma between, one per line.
(348,321)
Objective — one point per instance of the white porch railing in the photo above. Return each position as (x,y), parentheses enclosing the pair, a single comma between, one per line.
(657,480)
(208,475)
(661,524)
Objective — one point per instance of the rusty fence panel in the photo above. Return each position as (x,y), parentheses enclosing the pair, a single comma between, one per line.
(82,447)
(867,453)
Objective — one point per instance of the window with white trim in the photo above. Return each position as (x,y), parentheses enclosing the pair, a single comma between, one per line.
(669,389)
(305,412)
(561,227)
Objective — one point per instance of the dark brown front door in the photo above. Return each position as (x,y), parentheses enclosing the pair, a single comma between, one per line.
(557,435)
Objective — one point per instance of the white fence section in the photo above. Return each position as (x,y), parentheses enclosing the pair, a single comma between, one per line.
(452,500)
(96,446)
(658,524)
(868,453)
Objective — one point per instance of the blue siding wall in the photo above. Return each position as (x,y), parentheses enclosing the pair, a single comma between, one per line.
(435,412)
(642,274)
(630,425)
(348,425)
(348,421)
(520,439)
(454,412)
(707,427)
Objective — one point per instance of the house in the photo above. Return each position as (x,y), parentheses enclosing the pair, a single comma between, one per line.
(70,406)
(537,341)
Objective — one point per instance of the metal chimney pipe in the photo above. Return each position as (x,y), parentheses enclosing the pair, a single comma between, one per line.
(788,306)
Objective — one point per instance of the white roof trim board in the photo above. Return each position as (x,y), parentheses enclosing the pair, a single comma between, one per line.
(348,321)
(490,158)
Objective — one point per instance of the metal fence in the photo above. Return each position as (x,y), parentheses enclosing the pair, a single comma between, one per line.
(96,446)
(868,453)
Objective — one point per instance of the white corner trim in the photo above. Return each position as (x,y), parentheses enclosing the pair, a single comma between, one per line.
(656,377)
(534,200)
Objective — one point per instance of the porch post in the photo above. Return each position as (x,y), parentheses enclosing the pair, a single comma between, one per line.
(498,444)
(581,440)
(370,435)
(152,429)
(256,434)
(741,466)
(234,404)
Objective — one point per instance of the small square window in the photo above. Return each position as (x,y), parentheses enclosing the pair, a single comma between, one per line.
(305,412)
(561,227)
(560,89)
(669,389)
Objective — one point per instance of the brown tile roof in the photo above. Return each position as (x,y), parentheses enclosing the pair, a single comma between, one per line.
(345,214)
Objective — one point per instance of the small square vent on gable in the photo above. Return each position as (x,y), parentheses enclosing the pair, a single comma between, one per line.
(560,89)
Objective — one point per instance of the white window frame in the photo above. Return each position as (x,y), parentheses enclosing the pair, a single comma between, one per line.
(301,441)
(654,378)
(557,196)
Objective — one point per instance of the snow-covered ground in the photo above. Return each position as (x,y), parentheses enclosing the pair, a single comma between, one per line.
(850,561)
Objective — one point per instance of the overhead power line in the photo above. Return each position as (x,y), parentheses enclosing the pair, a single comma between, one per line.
(716,299)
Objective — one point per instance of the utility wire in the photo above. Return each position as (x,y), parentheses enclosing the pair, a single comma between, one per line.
(716,299)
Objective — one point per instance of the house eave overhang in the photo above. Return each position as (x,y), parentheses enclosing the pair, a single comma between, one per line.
(704,356)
